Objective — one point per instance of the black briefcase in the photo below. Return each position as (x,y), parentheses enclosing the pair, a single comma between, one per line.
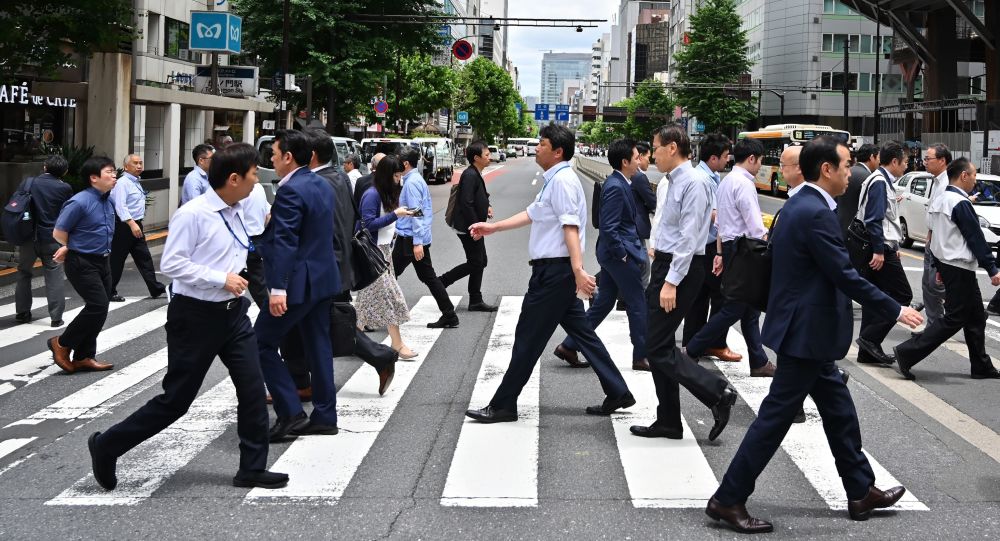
(343,324)
(746,276)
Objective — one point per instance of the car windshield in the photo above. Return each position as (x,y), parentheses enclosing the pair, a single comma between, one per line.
(987,192)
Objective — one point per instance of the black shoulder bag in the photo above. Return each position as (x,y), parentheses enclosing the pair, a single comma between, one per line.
(367,260)
(746,277)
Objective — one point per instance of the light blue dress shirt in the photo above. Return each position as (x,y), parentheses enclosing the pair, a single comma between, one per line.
(129,198)
(416,194)
(713,229)
(89,219)
(561,202)
(195,184)
(683,230)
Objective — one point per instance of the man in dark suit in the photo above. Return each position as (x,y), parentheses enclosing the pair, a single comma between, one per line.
(809,325)
(621,256)
(302,276)
(365,182)
(472,206)
(645,199)
(865,164)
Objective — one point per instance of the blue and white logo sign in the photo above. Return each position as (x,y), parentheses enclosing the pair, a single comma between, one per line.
(218,31)
(541,111)
(462,117)
(562,112)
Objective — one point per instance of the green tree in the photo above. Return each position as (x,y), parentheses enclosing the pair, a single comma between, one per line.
(487,93)
(716,55)
(656,106)
(43,36)
(422,88)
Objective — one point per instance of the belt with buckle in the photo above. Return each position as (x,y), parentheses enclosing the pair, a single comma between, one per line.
(218,305)
(548,261)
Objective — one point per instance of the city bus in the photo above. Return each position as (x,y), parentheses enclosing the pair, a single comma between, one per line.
(775,139)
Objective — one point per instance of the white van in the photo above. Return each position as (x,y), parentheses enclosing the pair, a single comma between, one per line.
(439,158)
(265,169)
(373,145)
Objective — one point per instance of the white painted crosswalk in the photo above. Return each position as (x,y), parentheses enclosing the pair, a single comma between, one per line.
(322,468)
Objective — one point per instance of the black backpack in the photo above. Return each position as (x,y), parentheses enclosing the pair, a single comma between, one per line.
(595,204)
(17,221)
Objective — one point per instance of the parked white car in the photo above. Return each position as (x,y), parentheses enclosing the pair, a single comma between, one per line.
(914,187)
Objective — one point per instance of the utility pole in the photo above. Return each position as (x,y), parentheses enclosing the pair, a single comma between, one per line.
(878,63)
(847,82)
(284,62)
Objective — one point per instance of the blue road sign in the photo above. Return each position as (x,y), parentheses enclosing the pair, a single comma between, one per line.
(541,111)
(518,107)
(445,34)
(218,31)
(462,117)
(700,127)
(562,112)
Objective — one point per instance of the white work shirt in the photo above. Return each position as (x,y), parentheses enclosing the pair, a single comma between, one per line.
(687,214)
(795,190)
(255,210)
(285,178)
(561,202)
(201,251)
(662,187)
(738,209)
(826,196)
(354,175)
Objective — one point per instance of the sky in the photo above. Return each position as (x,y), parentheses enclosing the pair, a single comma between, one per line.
(526,45)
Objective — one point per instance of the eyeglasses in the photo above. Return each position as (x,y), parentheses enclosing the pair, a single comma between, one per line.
(787,164)
(108,171)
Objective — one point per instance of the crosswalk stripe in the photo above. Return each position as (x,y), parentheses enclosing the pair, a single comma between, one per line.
(686,480)
(806,443)
(26,331)
(9,446)
(320,468)
(11,308)
(509,449)
(38,367)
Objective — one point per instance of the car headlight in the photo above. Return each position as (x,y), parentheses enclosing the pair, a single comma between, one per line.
(983,222)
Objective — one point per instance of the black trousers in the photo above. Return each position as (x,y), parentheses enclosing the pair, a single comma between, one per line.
(402,257)
(550,301)
(255,276)
(963,310)
(710,292)
(793,380)
(475,264)
(670,367)
(197,331)
(891,279)
(90,276)
(124,244)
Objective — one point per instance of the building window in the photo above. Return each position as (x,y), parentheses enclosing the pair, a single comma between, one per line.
(892,82)
(175,44)
(978,7)
(836,7)
(834,80)
(834,43)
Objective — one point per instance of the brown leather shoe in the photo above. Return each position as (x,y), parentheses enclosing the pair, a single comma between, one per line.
(385,378)
(305,395)
(766,371)
(91,365)
(268,399)
(570,357)
(641,364)
(876,499)
(737,518)
(60,355)
(724,354)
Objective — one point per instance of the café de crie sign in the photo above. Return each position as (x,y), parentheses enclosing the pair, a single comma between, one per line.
(19,94)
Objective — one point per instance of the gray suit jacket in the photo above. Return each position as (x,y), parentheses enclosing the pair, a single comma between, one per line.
(343,223)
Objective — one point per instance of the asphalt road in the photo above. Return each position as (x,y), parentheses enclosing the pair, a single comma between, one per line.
(409,466)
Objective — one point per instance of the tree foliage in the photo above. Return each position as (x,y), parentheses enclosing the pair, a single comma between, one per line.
(422,88)
(716,55)
(487,93)
(651,99)
(42,36)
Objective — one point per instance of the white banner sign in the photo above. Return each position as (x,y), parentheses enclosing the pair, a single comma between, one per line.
(234,81)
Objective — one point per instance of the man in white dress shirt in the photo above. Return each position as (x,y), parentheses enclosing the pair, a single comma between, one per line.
(129,199)
(207,317)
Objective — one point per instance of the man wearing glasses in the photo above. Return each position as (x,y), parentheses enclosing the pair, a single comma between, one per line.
(936,159)
(196,181)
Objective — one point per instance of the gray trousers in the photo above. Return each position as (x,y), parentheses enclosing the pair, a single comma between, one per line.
(55,288)
(933,292)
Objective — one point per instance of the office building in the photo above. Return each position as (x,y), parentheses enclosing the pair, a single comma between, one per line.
(559,67)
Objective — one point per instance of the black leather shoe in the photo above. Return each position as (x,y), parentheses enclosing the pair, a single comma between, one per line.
(800,417)
(284,426)
(103,465)
(902,366)
(656,431)
(316,429)
(57,323)
(992,374)
(876,499)
(612,404)
(23,317)
(117,298)
(736,518)
(844,375)
(157,295)
(483,307)
(993,309)
(570,356)
(447,321)
(260,479)
(721,412)
(870,353)
(489,414)
(642,365)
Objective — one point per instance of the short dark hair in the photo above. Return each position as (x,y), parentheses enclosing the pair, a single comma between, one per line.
(674,133)
(411,155)
(957,167)
(474,150)
(865,152)
(93,167)
(559,136)
(199,152)
(714,144)
(385,182)
(746,147)
(817,152)
(56,165)
(891,150)
(322,145)
(618,151)
(354,160)
(296,143)
(642,147)
(236,158)
(941,151)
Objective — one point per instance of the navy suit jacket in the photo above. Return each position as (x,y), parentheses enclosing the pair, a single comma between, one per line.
(618,235)
(298,241)
(809,312)
(645,203)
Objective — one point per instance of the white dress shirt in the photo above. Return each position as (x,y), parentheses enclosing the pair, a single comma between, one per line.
(561,202)
(738,209)
(830,202)
(201,250)
(662,187)
(354,175)
(255,210)
(795,190)
(687,214)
